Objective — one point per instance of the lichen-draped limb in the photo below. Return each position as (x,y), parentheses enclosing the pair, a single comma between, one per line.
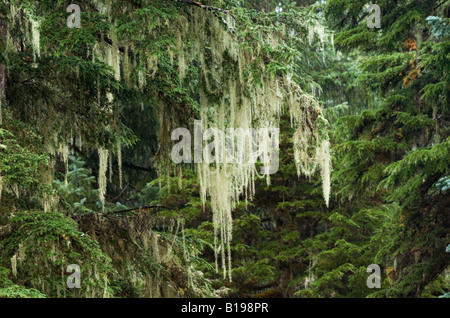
(253,97)
(243,104)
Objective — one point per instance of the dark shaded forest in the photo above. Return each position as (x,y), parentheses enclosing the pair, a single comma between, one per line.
(224,149)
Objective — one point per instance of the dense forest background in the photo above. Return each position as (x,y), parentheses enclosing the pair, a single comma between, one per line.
(86,116)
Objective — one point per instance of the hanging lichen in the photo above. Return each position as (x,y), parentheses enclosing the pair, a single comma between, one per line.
(110,168)
(324,158)
(36,38)
(119,163)
(14,265)
(103,166)
(180,178)
(64,152)
(317,29)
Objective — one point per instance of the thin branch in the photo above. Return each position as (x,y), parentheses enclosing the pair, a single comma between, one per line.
(232,30)
(135,167)
(141,208)
(148,207)
(214,10)
(121,192)
(201,5)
